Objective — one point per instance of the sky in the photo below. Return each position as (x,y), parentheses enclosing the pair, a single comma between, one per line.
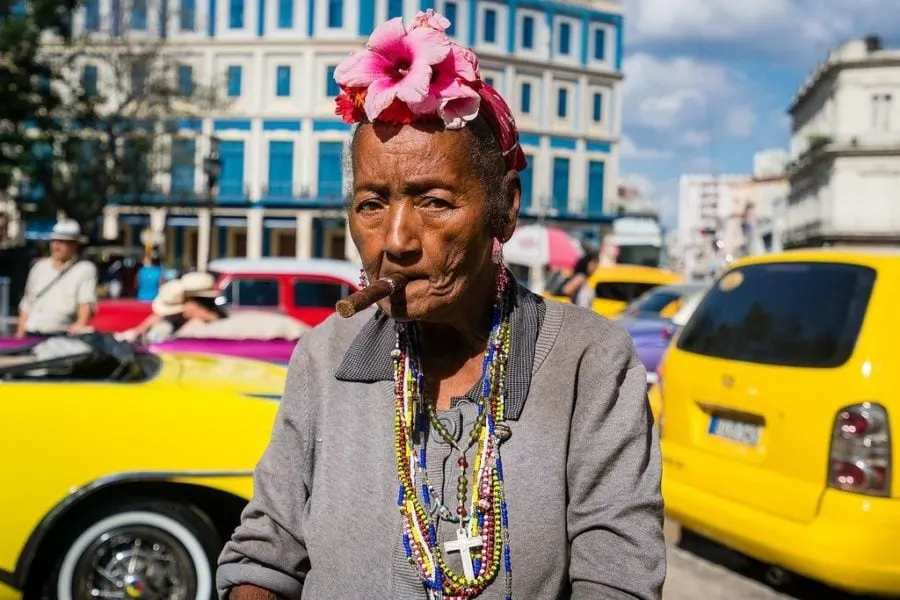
(708,82)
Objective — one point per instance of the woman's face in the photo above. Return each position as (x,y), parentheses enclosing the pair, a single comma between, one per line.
(418,209)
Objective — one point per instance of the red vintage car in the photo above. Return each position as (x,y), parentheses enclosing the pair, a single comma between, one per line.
(304,289)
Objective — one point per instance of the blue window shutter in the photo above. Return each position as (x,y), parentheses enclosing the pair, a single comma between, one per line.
(185,80)
(598,108)
(599,44)
(335,13)
(184,164)
(187,15)
(331,86)
(490,25)
(234,81)
(281,169)
(331,171)
(89,80)
(565,38)
(596,182)
(489,80)
(395,8)
(526,178)
(528,32)
(526,98)
(92,15)
(283,81)
(138,77)
(562,103)
(561,184)
(366,18)
(236,14)
(139,15)
(231,183)
(451,12)
(285,14)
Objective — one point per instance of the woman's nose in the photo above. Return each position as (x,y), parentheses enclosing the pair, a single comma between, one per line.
(403,229)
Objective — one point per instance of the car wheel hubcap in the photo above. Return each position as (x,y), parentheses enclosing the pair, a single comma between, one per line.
(135,562)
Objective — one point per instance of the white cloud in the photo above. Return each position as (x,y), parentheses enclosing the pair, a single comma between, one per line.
(791,29)
(740,121)
(631,150)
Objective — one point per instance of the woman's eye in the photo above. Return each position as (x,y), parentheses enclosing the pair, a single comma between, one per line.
(432,202)
(368,205)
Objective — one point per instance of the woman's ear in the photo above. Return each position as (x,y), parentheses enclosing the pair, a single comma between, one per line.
(512,196)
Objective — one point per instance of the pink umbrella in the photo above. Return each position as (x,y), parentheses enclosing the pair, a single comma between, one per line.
(533,245)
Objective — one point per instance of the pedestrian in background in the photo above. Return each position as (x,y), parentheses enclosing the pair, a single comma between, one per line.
(60,292)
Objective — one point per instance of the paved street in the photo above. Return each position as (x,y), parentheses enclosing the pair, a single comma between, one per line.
(701,570)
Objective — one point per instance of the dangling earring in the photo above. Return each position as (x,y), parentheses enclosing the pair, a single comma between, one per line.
(497,252)
(363,278)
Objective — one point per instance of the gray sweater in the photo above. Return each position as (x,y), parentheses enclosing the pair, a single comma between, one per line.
(581,470)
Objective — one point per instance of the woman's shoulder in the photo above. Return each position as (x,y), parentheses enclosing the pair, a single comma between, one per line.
(581,330)
(329,340)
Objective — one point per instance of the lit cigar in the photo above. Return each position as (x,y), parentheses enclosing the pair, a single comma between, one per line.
(369,295)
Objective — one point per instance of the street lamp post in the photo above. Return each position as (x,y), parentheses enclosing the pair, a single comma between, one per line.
(212,168)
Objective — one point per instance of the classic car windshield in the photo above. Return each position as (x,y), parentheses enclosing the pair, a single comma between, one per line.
(93,357)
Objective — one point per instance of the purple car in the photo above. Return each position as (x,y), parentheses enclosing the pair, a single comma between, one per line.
(651,332)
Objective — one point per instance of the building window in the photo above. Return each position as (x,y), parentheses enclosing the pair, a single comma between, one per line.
(490,26)
(526,178)
(139,15)
(395,8)
(185,80)
(596,182)
(561,184)
(92,15)
(89,80)
(283,81)
(599,44)
(285,14)
(184,153)
(526,98)
(528,32)
(489,80)
(450,11)
(234,81)
(231,182)
(138,78)
(331,86)
(187,15)
(236,14)
(331,171)
(565,38)
(597,109)
(882,106)
(562,102)
(335,14)
(281,169)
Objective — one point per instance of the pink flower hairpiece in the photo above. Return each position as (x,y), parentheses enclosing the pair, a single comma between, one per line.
(408,74)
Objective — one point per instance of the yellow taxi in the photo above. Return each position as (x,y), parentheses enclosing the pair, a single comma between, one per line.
(124,471)
(616,286)
(780,416)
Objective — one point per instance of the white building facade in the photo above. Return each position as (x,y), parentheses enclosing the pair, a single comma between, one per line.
(845,149)
(558,63)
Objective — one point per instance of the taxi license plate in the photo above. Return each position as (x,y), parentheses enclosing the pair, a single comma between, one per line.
(736,431)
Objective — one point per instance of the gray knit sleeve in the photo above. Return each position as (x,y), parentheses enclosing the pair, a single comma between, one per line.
(267,549)
(615,510)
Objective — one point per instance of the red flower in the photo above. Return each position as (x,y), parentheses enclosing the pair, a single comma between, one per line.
(349,105)
(398,113)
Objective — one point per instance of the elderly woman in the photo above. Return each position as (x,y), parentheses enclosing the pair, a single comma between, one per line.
(464,438)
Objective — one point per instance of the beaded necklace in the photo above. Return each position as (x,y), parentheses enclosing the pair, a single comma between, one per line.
(482,537)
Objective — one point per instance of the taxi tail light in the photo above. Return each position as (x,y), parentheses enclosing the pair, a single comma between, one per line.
(860,459)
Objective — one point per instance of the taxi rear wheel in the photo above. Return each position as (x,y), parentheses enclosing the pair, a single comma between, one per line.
(152,549)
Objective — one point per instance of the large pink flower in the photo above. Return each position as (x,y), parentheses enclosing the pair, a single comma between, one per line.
(451,93)
(396,64)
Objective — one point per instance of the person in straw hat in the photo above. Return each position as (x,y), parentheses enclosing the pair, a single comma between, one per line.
(167,316)
(202,300)
(60,292)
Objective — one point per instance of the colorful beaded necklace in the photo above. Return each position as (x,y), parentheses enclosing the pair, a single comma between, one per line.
(482,537)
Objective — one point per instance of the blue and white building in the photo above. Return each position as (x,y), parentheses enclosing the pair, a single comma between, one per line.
(558,63)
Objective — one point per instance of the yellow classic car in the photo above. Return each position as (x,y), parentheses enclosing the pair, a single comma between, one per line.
(780,417)
(124,471)
(617,285)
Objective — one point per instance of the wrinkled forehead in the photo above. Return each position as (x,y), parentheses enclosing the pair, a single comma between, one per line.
(387,151)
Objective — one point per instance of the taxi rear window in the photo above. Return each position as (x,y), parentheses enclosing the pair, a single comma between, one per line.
(787,314)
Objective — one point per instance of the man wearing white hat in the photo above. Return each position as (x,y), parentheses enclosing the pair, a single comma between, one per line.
(60,293)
